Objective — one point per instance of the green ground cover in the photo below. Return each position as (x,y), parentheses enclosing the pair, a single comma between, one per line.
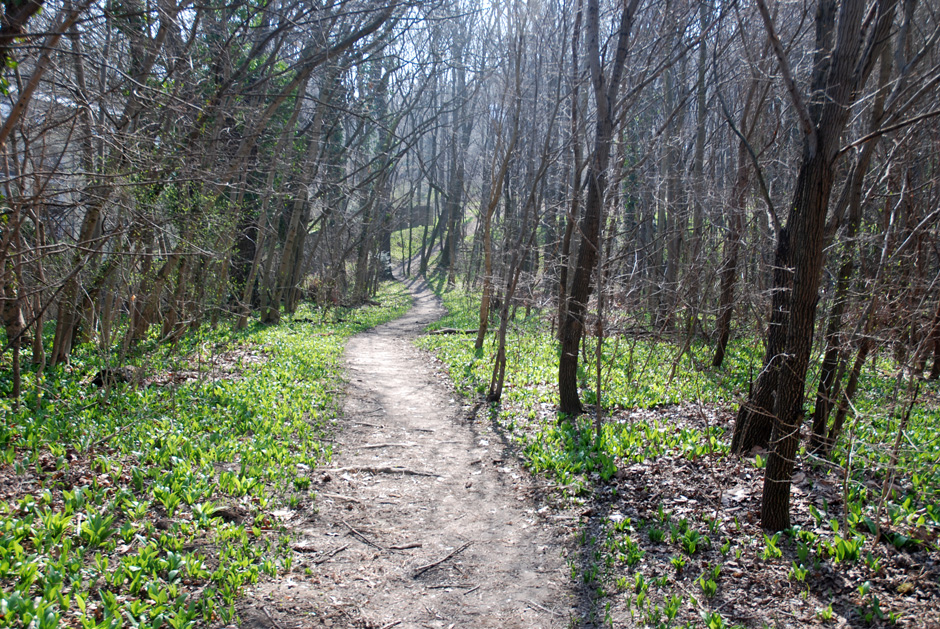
(153,505)
(655,404)
(407,243)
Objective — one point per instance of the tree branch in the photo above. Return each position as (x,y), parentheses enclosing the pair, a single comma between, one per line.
(805,121)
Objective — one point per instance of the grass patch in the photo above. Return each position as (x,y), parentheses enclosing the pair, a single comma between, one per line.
(155,505)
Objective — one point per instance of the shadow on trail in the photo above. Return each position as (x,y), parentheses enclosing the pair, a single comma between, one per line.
(584,556)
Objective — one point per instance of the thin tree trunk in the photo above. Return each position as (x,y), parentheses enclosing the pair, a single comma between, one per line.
(825,394)
(738,206)
(152,301)
(577,159)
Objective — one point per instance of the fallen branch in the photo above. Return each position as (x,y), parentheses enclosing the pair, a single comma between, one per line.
(452,331)
(406,546)
(361,537)
(340,497)
(371,446)
(544,609)
(380,470)
(331,555)
(270,617)
(453,554)
(449,585)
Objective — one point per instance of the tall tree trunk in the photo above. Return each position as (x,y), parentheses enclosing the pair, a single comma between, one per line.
(728,274)
(935,344)
(845,72)
(605,94)
(151,302)
(825,397)
(495,193)
(698,178)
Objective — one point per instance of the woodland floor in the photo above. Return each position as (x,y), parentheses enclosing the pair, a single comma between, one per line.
(423,519)
(426,518)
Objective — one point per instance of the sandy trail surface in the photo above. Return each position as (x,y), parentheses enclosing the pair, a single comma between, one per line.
(424,518)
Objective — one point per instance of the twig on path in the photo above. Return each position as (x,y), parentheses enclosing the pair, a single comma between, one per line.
(473,589)
(340,497)
(544,609)
(372,446)
(369,425)
(361,537)
(387,469)
(450,585)
(406,546)
(454,553)
(373,413)
(391,624)
(434,613)
(271,618)
(322,560)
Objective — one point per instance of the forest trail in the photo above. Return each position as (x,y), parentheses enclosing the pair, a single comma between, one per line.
(454,539)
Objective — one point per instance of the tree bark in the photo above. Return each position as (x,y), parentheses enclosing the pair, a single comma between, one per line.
(846,71)
(605,95)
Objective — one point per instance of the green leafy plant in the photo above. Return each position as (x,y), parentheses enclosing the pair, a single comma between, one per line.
(726,547)
(825,613)
(709,586)
(845,549)
(691,540)
(672,606)
(96,529)
(797,573)
(771,551)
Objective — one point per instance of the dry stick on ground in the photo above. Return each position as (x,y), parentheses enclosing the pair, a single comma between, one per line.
(332,554)
(453,554)
(380,470)
(270,617)
(406,546)
(372,446)
(362,537)
(340,497)
(444,586)
(544,609)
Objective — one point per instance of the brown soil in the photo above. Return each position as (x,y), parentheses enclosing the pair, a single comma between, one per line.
(424,518)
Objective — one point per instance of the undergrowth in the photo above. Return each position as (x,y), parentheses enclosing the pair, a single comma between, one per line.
(152,505)
(659,407)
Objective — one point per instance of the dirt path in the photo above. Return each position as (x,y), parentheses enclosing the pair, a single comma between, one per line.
(423,519)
